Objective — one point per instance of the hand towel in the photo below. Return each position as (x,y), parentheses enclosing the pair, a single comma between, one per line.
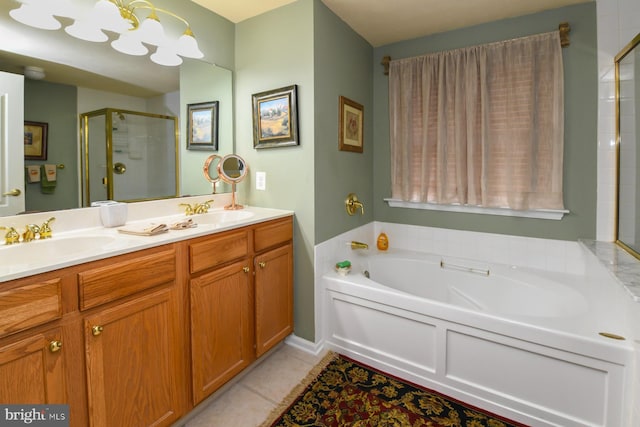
(182,225)
(48,181)
(144,229)
(33,173)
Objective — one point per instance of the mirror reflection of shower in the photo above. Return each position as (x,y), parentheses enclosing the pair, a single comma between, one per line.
(128,156)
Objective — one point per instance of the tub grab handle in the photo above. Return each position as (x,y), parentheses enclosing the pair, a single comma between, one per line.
(464,268)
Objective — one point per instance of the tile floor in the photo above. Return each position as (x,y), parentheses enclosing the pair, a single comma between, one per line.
(250,399)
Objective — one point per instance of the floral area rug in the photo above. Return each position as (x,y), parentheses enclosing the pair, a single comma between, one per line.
(343,392)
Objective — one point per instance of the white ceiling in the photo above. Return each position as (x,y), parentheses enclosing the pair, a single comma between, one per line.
(382,22)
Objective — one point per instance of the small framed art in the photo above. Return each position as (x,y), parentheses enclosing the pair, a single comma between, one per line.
(35,140)
(202,126)
(351,125)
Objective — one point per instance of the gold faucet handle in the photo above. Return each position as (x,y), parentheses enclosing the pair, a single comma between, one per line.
(45,228)
(12,235)
(206,206)
(352,204)
(188,209)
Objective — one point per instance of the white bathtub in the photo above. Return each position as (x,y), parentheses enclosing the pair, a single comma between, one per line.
(518,342)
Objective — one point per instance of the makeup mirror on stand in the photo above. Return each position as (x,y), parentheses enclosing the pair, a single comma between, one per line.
(232,169)
(210,171)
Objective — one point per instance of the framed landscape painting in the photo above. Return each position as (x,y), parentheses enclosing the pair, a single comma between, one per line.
(275,118)
(202,127)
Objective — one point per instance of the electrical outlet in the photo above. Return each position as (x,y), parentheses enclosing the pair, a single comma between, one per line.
(261,180)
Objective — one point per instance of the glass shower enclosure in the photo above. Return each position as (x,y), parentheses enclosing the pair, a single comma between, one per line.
(128,156)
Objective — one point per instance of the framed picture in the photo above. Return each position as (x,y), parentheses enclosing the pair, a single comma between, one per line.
(351,125)
(35,140)
(275,118)
(202,126)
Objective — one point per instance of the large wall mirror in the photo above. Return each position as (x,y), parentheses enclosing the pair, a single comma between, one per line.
(81,77)
(627,70)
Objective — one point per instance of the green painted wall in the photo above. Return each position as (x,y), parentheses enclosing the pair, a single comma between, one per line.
(581,103)
(275,50)
(202,82)
(325,59)
(214,33)
(342,67)
(62,142)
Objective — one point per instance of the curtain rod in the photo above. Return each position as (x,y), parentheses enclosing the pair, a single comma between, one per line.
(564,29)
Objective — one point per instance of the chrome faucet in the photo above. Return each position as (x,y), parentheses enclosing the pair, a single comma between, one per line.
(31,232)
(358,245)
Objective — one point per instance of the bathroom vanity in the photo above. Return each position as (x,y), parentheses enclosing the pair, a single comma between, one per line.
(147,331)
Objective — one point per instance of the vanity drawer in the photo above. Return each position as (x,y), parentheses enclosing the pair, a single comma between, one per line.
(123,278)
(273,234)
(30,305)
(217,250)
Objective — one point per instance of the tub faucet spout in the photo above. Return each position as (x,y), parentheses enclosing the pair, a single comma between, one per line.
(358,245)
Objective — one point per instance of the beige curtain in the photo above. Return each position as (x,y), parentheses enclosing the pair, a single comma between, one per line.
(480,126)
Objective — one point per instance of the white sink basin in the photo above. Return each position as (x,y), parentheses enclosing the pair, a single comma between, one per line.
(56,247)
(222,217)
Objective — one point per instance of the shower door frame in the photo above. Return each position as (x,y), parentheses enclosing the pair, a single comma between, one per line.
(84,142)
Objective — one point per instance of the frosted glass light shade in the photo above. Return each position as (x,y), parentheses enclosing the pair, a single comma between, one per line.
(86,30)
(151,32)
(52,7)
(33,16)
(188,47)
(107,16)
(129,43)
(59,7)
(166,56)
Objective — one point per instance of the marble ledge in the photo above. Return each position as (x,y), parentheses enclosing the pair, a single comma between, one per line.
(624,266)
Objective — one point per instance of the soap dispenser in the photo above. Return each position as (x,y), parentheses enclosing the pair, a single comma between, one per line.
(383,242)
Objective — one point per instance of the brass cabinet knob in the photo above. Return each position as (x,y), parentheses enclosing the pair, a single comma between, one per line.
(245,269)
(55,346)
(262,264)
(97,330)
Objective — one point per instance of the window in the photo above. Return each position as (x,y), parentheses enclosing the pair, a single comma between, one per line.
(481,126)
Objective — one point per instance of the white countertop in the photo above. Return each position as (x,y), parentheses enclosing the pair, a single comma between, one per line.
(79,237)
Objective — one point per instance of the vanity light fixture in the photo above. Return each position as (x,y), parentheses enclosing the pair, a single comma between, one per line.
(123,17)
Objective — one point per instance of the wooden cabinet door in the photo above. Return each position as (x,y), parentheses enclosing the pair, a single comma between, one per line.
(221,344)
(132,361)
(273,297)
(31,370)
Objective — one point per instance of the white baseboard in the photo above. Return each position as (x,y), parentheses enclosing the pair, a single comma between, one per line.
(304,345)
